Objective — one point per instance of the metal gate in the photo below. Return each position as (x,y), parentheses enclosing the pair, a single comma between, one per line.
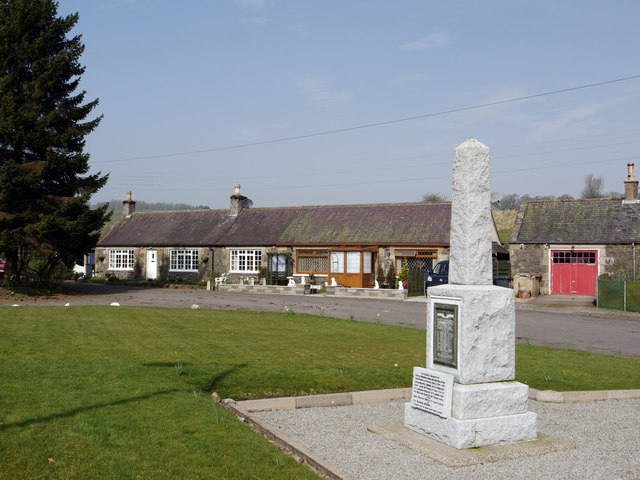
(415,282)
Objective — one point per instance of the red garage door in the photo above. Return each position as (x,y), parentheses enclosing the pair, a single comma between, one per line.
(574,272)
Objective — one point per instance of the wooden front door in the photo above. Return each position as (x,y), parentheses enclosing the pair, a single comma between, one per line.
(351,268)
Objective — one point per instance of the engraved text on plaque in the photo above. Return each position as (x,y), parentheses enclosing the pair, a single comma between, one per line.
(432,391)
(445,334)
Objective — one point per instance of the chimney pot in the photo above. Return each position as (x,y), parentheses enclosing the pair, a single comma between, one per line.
(128,206)
(630,185)
(236,202)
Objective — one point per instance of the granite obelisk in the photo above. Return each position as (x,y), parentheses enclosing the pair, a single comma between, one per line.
(466,397)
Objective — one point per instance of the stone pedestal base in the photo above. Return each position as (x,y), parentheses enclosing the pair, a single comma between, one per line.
(481,414)
(472,433)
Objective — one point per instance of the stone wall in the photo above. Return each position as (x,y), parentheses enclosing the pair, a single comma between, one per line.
(619,260)
(215,262)
(139,271)
(532,260)
(388,293)
(304,290)
(222,263)
(263,289)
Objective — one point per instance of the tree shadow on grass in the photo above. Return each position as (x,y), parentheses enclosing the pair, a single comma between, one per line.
(209,388)
(75,411)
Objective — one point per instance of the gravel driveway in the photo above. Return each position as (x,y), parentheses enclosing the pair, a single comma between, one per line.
(605,435)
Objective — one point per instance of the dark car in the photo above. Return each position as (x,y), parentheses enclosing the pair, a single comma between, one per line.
(2,268)
(439,276)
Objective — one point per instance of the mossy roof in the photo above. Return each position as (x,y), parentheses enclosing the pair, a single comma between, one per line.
(386,224)
(588,221)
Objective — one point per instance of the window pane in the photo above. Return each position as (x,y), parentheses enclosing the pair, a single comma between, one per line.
(337,262)
(366,262)
(353,262)
(121,259)
(245,260)
(180,260)
(313,264)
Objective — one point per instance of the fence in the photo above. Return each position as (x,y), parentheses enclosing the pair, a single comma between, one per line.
(618,294)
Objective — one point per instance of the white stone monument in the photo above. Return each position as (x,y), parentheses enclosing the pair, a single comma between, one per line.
(467,396)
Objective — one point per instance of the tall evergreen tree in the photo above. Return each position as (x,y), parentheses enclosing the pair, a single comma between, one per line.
(45,217)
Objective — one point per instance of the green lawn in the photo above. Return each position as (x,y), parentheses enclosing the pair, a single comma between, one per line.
(105,392)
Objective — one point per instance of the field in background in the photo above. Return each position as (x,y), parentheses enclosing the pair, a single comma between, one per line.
(504,223)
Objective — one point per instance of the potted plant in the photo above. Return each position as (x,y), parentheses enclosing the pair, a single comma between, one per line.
(380,276)
(262,273)
(404,274)
(391,277)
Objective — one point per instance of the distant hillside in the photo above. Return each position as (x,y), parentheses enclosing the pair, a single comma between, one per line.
(141,206)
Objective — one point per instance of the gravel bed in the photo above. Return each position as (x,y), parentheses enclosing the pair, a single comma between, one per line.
(606,436)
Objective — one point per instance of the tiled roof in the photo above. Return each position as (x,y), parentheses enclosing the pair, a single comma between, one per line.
(159,229)
(388,224)
(391,224)
(589,221)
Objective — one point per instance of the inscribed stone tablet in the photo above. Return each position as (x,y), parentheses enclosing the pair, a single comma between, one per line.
(432,391)
(445,334)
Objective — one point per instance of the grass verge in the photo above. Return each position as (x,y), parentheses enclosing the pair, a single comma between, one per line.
(103,392)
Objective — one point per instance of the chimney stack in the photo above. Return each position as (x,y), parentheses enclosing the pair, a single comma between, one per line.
(630,185)
(128,206)
(236,202)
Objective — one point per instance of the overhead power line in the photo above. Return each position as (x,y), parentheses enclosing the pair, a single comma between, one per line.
(386,180)
(377,124)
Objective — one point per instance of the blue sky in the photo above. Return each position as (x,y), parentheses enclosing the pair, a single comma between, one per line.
(178,82)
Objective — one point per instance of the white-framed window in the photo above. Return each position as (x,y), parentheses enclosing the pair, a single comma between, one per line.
(246,261)
(121,259)
(337,262)
(353,262)
(366,262)
(183,260)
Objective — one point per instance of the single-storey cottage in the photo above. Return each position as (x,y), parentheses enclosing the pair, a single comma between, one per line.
(348,243)
(567,244)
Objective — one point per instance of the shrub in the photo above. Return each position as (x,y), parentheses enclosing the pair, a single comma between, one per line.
(391,275)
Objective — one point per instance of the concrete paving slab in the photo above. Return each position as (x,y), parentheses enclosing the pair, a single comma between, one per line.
(623,394)
(373,396)
(269,404)
(453,457)
(329,400)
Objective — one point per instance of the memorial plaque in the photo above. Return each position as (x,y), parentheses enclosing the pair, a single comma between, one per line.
(432,391)
(445,334)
